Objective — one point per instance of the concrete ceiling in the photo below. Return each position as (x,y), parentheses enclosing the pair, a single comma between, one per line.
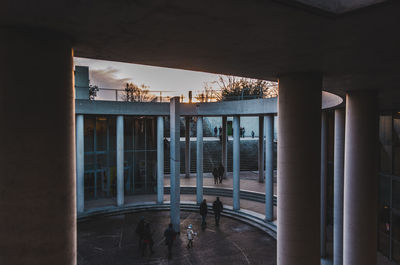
(259,39)
(340,6)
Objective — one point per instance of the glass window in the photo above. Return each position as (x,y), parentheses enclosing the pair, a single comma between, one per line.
(101,134)
(396,237)
(396,195)
(89,125)
(384,216)
(385,139)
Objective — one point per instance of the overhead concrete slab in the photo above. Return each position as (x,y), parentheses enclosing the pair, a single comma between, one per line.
(340,6)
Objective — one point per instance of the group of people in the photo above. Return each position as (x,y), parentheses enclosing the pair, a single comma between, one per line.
(217,131)
(217,209)
(146,235)
(218,173)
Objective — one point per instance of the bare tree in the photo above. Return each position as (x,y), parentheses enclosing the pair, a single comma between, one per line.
(234,88)
(135,93)
(208,94)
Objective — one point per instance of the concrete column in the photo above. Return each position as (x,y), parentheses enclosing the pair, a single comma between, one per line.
(175,162)
(120,160)
(324,164)
(160,159)
(199,160)
(269,167)
(360,179)
(236,163)
(261,149)
(224,145)
(37,148)
(80,164)
(338,182)
(187,147)
(299,160)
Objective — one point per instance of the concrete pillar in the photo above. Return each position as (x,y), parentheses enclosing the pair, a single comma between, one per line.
(175,162)
(120,160)
(338,182)
(80,164)
(261,149)
(299,160)
(37,148)
(187,147)
(324,164)
(236,163)
(199,160)
(269,167)
(224,145)
(360,179)
(160,159)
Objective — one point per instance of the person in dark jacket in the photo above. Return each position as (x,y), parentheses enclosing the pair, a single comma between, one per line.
(169,235)
(215,174)
(217,208)
(203,213)
(147,239)
(140,228)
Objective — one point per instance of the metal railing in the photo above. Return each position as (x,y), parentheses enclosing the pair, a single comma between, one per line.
(113,94)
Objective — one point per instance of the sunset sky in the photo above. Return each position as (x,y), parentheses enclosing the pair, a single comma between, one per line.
(173,82)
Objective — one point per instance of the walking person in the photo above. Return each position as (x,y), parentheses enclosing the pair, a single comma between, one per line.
(217,208)
(216,175)
(203,213)
(215,131)
(221,171)
(140,229)
(169,235)
(147,239)
(190,236)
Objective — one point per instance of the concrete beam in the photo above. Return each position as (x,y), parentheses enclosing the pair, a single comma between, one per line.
(236,163)
(37,154)
(187,147)
(199,160)
(80,164)
(224,145)
(174,121)
(160,159)
(261,149)
(269,167)
(120,160)
(360,179)
(338,187)
(299,163)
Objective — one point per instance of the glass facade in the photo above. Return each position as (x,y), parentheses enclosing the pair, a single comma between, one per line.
(389,186)
(140,156)
(100,170)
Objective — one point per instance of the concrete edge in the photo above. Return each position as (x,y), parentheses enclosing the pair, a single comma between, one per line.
(249,217)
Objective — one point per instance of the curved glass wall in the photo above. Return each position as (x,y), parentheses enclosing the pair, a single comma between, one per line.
(389,186)
(100,170)
(140,156)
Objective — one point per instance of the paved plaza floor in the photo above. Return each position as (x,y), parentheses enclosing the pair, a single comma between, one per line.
(112,241)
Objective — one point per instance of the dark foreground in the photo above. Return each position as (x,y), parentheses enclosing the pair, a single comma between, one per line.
(112,241)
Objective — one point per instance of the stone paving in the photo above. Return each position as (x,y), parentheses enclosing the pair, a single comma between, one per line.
(112,241)
(248,181)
